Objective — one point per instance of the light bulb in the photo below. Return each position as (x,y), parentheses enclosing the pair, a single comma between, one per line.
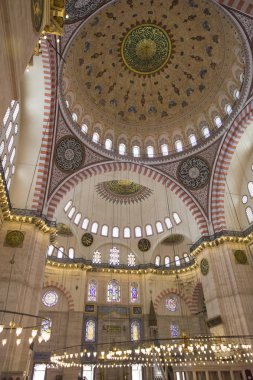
(18,341)
(34,333)
(4,341)
(19,330)
(1,328)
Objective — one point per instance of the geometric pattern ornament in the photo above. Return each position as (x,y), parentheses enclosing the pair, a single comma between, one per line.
(194,173)
(14,239)
(69,154)
(204,267)
(122,191)
(87,239)
(144,245)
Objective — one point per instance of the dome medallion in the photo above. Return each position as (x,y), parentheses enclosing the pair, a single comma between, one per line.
(146,49)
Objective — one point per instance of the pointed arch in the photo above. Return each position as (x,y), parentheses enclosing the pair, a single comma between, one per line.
(62,288)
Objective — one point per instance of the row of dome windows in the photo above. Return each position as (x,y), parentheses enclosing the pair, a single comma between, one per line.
(150,150)
(138,233)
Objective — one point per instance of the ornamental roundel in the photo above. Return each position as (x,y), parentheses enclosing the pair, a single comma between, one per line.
(14,239)
(87,239)
(144,245)
(194,173)
(204,266)
(69,154)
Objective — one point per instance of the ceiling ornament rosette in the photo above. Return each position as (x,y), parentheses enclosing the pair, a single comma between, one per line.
(131,105)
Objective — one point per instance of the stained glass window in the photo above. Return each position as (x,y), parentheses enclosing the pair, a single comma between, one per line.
(138,232)
(249,214)
(177,261)
(171,303)
(157,261)
(131,260)
(50,298)
(92,291)
(90,331)
(134,292)
(250,188)
(135,331)
(113,291)
(167,261)
(174,330)
(96,257)
(45,329)
(186,258)
(114,256)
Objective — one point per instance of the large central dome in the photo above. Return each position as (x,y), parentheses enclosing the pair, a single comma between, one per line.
(139,71)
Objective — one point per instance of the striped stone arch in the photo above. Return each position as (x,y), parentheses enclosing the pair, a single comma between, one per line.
(73,181)
(179,293)
(222,165)
(50,76)
(195,297)
(245,6)
(62,288)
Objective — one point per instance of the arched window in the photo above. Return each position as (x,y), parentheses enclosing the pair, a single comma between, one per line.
(67,206)
(186,258)
(108,144)
(135,332)
(249,214)
(149,230)
(138,232)
(85,223)
(113,291)
(241,77)
(177,261)
(134,292)
(67,103)
(244,199)
(71,253)
(4,161)
(174,330)
(127,233)
(115,232)
(218,121)
(74,117)
(159,227)
(206,132)
(168,223)
(60,253)
(8,130)
(250,188)
(171,303)
(13,169)
(176,218)
(92,291)
(6,116)
(71,213)
(45,330)
(228,109)
(16,129)
(84,128)
(179,146)
(50,250)
(15,113)
(114,256)
(104,230)
(9,183)
(77,218)
(10,143)
(157,261)
(1,147)
(150,151)
(95,137)
(136,151)
(90,331)
(192,140)
(6,174)
(122,148)
(94,227)
(165,149)
(12,156)
(236,94)
(167,262)
(96,259)
(131,260)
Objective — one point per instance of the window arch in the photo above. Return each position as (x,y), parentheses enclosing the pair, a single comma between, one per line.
(136,151)
(138,232)
(67,103)
(84,128)
(159,227)
(10,143)
(206,132)
(122,148)
(90,330)
(114,256)
(50,250)
(236,94)
(135,330)
(45,330)
(60,253)
(6,116)
(6,174)
(176,217)
(127,233)
(177,261)
(74,117)
(218,121)
(71,213)
(165,149)
(131,260)
(1,147)
(115,232)
(193,140)
(94,227)
(67,206)
(77,218)
(71,253)
(95,137)
(168,223)
(157,261)
(250,188)
(8,130)
(113,291)
(244,199)
(149,230)
(150,151)
(85,223)
(96,259)
(249,214)
(134,292)
(167,262)
(16,111)
(228,109)
(4,161)
(186,258)
(9,183)
(12,156)
(108,144)
(104,230)
(179,146)
(92,291)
